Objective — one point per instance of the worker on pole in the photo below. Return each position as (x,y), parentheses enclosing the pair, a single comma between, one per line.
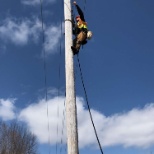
(80,30)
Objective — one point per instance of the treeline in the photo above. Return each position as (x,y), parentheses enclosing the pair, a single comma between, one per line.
(16,139)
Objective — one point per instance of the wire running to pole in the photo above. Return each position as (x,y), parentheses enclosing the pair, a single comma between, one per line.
(59,75)
(62,132)
(86,96)
(45,76)
(85,2)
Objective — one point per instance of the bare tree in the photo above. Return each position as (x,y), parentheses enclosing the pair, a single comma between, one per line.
(16,139)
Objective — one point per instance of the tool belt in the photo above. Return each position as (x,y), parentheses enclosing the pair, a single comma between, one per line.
(85,30)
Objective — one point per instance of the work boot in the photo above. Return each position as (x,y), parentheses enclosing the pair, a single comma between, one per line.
(75,51)
(84,42)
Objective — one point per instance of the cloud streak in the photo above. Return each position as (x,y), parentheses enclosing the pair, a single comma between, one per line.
(22,32)
(19,31)
(52,38)
(134,128)
(35,2)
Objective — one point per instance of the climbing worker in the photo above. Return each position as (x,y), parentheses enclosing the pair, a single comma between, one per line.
(80,30)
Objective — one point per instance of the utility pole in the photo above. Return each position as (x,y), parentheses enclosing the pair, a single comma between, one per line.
(71,113)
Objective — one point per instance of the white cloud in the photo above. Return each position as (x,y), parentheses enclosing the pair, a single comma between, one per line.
(134,128)
(35,2)
(36,117)
(20,31)
(7,109)
(52,38)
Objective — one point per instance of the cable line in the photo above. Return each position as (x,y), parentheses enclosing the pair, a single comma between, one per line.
(60,146)
(86,96)
(59,75)
(62,133)
(45,76)
(85,2)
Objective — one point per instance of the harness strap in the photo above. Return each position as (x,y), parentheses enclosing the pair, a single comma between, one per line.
(69,20)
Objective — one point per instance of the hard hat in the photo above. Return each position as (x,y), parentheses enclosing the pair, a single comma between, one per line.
(89,35)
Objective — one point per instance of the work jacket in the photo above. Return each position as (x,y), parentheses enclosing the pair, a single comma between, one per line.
(80,26)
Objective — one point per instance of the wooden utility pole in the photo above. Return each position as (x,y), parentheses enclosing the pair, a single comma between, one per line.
(71,113)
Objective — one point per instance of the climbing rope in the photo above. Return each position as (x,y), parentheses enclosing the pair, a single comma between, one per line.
(86,96)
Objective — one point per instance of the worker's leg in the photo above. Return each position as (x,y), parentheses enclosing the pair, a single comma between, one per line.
(74,42)
(80,38)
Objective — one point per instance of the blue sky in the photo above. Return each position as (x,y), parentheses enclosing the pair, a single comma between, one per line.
(117,66)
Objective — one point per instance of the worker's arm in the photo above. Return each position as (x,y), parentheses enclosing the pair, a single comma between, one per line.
(79,11)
